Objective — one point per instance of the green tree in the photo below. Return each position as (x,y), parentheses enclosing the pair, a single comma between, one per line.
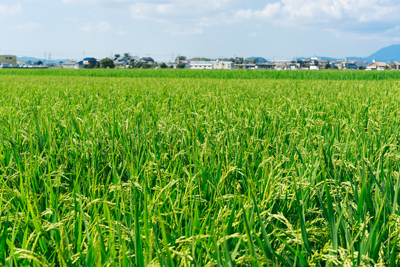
(171,67)
(127,55)
(107,63)
(163,65)
(181,66)
(117,55)
(361,68)
(139,65)
(132,64)
(254,61)
(239,60)
(181,58)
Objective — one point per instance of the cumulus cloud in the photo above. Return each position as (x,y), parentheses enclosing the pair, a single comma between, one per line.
(183,17)
(9,10)
(320,11)
(350,19)
(101,26)
(28,26)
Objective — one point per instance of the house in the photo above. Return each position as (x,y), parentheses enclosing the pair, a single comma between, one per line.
(250,66)
(396,65)
(121,61)
(38,63)
(280,66)
(134,59)
(323,64)
(8,59)
(265,66)
(69,65)
(295,64)
(147,60)
(79,65)
(223,65)
(313,62)
(202,65)
(378,65)
(89,61)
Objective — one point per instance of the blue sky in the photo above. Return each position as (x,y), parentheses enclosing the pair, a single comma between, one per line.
(274,29)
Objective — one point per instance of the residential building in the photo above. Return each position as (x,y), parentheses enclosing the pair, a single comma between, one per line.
(148,60)
(202,65)
(10,59)
(313,62)
(223,65)
(121,61)
(250,66)
(378,65)
(69,65)
(396,65)
(89,61)
(349,64)
(134,59)
(324,64)
(265,66)
(280,66)
(79,65)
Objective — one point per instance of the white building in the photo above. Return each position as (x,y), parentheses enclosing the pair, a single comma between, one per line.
(223,65)
(68,65)
(202,65)
(209,65)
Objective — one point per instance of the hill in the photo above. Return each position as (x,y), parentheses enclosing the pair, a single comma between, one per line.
(389,53)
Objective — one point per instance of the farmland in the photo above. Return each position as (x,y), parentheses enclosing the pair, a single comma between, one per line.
(151,168)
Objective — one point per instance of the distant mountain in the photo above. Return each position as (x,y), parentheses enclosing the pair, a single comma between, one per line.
(390,53)
(33,59)
(386,54)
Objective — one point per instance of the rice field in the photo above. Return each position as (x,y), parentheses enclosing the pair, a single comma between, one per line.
(191,171)
(213,74)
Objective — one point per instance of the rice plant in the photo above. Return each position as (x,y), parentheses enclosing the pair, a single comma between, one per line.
(214,74)
(115,171)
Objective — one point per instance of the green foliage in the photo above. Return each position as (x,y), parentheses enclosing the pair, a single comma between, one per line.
(181,66)
(199,172)
(107,63)
(139,64)
(163,65)
(334,75)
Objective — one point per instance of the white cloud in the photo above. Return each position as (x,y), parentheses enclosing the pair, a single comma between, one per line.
(9,10)
(28,26)
(320,11)
(350,19)
(122,32)
(101,26)
(183,17)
